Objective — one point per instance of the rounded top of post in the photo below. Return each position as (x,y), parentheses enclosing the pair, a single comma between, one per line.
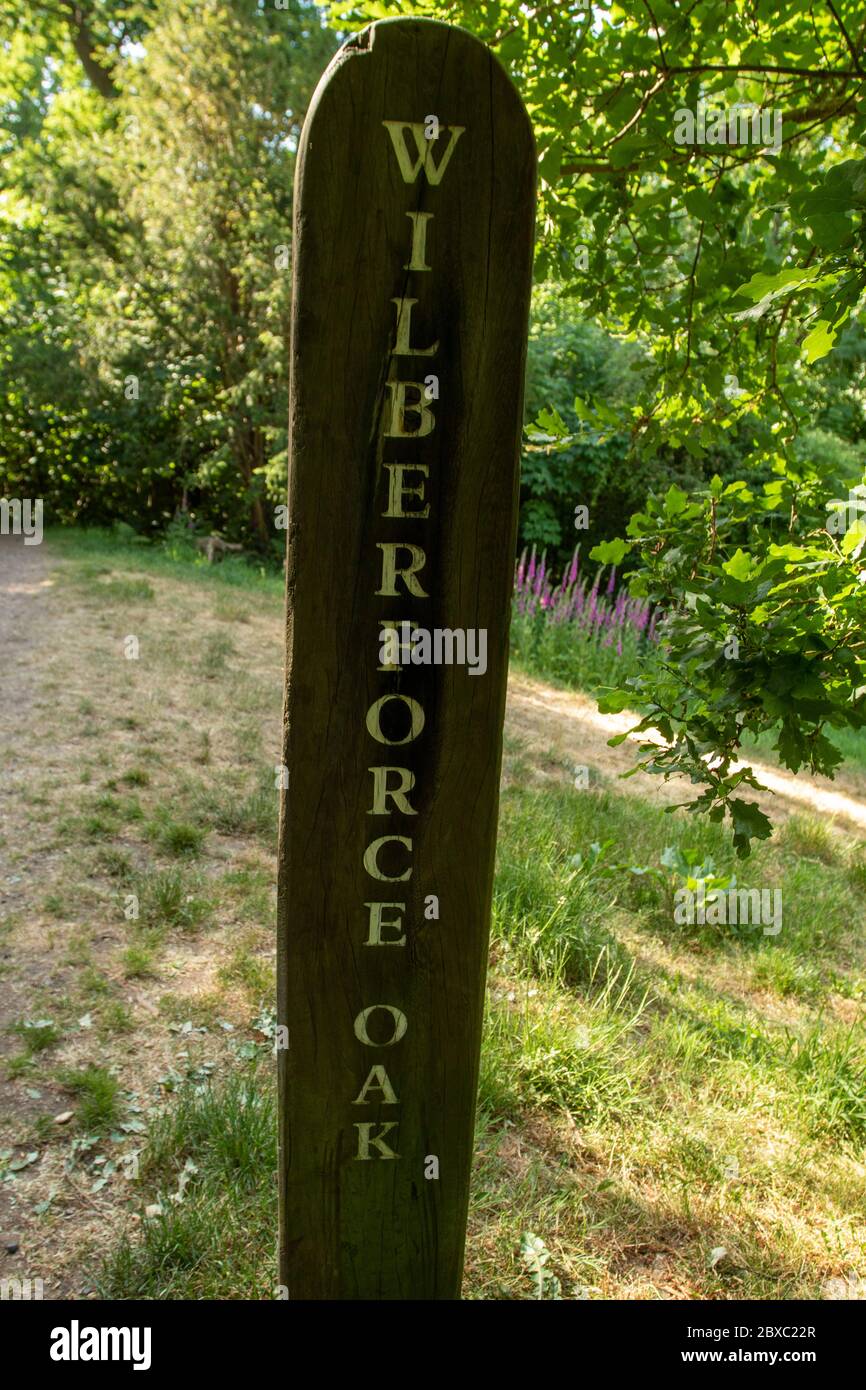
(423,47)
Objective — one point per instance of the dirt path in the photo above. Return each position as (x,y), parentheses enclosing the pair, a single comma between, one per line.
(568,729)
(75,717)
(25,587)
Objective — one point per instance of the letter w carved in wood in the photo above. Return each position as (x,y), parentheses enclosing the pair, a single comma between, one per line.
(423,149)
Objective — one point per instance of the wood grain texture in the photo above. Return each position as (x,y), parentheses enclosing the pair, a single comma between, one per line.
(377,1228)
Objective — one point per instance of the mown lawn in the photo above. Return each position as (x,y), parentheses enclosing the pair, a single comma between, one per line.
(665,1111)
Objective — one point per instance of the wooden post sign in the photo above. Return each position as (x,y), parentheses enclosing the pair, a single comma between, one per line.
(413,244)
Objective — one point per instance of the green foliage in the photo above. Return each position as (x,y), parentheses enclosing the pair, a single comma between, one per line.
(569,356)
(655,236)
(763,596)
(534,1255)
(145,283)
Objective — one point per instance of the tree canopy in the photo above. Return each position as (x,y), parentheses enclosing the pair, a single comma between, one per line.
(146,263)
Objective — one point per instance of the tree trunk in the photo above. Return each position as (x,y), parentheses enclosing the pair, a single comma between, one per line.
(84,44)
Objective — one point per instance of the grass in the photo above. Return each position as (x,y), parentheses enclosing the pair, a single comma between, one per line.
(124,590)
(171,898)
(809,838)
(218,1242)
(114,1018)
(634,1089)
(253,974)
(649,1091)
(96,1094)
(252,814)
(37,1035)
(97,552)
(850,742)
(116,863)
(782,972)
(138,963)
(136,777)
(179,838)
(217,649)
(538,1056)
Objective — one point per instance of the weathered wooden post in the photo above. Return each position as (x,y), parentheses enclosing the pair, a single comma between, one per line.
(412,260)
